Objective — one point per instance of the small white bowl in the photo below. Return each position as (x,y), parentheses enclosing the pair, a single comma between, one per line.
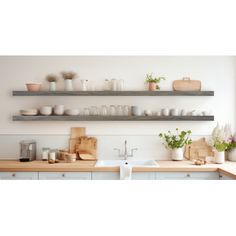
(46,110)
(72,112)
(29,112)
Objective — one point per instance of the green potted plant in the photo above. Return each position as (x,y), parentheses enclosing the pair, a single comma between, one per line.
(52,79)
(68,76)
(176,142)
(153,82)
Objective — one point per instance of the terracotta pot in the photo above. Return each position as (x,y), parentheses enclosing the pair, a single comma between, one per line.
(33,87)
(152,86)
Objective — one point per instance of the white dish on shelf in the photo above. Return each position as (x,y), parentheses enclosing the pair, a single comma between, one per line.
(46,110)
(72,112)
(29,112)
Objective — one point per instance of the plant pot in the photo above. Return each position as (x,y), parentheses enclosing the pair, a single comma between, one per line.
(33,87)
(177,154)
(52,86)
(232,155)
(152,86)
(68,85)
(219,157)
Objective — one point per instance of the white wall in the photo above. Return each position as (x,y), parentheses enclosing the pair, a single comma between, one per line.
(216,73)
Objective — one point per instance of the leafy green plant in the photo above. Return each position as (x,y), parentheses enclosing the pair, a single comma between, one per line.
(178,140)
(151,79)
(221,146)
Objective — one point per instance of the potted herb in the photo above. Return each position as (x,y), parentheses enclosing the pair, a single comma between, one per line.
(153,82)
(52,79)
(176,142)
(68,76)
(231,149)
(220,140)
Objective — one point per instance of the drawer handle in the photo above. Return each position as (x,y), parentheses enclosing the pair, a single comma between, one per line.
(63,175)
(13,175)
(188,175)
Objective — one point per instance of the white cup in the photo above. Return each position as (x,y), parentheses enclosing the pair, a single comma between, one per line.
(46,110)
(174,112)
(59,110)
(165,112)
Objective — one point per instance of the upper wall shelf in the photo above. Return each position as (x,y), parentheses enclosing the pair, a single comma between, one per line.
(114,93)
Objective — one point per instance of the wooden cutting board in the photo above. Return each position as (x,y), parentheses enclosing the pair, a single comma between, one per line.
(186,84)
(76,132)
(87,145)
(198,150)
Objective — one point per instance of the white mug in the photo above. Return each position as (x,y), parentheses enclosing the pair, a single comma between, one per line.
(59,110)
(165,112)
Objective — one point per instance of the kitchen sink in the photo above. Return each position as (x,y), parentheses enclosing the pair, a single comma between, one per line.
(134,163)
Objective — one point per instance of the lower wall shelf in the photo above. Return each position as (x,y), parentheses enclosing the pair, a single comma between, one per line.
(113,118)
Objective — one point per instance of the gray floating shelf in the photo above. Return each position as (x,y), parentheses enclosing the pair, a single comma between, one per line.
(113,118)
(114,93)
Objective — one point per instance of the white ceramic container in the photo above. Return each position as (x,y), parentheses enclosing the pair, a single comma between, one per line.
(136,111)
(29,112)
(72,112)
(174,112)
(219,157)
(46,110)
(68,85)
(165,112)
(52,86)
(59,110)
(232,155)
(177,154)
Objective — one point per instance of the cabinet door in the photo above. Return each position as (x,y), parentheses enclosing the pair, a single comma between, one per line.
(105,175)
(224,177)
(18,175)
(65,175)
(143,176)
(187,175)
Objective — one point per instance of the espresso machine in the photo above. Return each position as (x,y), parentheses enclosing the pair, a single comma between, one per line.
(27,150)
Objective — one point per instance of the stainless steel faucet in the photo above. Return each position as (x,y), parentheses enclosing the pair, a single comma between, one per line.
(125,155)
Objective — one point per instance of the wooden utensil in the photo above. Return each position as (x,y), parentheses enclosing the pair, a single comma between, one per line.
(87,145)
(198,150)
(186,84)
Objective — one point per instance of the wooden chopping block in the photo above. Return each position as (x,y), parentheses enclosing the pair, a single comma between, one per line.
(87,146)
(76,132)
(186,84)
(198,150)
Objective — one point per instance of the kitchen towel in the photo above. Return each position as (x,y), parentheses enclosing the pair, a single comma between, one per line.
(125,172)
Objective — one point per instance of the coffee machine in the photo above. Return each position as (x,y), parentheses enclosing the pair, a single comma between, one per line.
(27,150)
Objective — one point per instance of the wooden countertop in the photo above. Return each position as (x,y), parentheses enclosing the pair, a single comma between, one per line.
(228,168)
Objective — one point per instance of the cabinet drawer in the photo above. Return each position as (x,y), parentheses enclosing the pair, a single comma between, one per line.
(65,176)
(143,176)
(19,175)
(105,175)
(188,175)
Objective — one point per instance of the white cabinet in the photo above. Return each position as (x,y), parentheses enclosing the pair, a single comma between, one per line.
(18,175)
(225,177)
(64,175)
(116,175)
(187,175)
(105,175)
(143,176)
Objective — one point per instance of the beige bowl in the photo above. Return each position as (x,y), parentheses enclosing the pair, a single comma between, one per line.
(33,87)
(29,112)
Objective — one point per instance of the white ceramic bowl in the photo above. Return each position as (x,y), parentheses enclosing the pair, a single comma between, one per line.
(46,110)
(59,110)
(72,112)
(29,112)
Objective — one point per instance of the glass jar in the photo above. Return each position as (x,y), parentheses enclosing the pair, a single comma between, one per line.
(107,85)
(45,154)
(104,111)
(112,110)
(114,84)
(119,110)
(120,85)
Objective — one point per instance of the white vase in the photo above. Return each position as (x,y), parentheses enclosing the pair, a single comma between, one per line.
(219,157)
(232,155)
(177,154)
(68,85)
(52,86)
